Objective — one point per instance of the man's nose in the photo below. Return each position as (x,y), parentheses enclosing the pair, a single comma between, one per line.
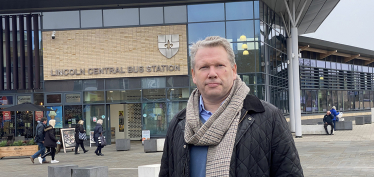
(212,73)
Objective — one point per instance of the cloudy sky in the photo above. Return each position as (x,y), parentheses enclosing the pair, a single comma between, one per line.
(350,23)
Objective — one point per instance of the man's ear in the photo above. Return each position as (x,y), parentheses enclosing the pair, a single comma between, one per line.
(193,76)
(234,69)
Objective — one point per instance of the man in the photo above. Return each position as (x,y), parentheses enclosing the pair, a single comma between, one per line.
(39,139)
(327,120)
(224,131)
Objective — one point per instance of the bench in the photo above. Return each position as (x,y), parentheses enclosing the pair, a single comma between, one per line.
(314,129)
(60,170)
(359,120)
(123,144)
(90,171)
(367,120)
(343,125)
(154,145)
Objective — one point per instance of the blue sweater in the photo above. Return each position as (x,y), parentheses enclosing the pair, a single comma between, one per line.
(334,113)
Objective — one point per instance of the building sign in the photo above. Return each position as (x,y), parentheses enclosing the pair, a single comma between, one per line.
(115,52)
(116,70)
(6,115)
(73,98)
(23,99)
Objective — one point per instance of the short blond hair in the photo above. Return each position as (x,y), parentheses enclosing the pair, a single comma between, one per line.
(212,41)
(80,122)
(100,121)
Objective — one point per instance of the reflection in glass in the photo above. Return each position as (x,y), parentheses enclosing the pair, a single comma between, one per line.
(24,124)
(123,96)
(39,98)
(236,29)
(245,61)
(174,108)
(154,82)
(154,95)
(199,31)
(256,9)
(72,114)
(93,97)
(239,10)
(55,98)
(178,94)
(205,12)
(7,130)
(322,95)
(154,118)
(92,113)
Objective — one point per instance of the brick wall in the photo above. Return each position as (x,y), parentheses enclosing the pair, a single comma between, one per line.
(73,51)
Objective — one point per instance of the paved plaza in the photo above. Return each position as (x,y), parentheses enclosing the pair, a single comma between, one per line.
(347,153)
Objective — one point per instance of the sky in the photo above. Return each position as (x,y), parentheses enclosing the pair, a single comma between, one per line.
(350,23)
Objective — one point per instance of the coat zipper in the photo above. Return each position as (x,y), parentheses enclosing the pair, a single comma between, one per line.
(243,117)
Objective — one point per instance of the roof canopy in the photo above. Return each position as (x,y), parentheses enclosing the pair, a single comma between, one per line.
(314,13)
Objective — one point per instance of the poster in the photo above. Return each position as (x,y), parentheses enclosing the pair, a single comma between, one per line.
(6,115)
(121,125)
(94,119)
(146,135)
(55,114)
(38,115)
(68,138)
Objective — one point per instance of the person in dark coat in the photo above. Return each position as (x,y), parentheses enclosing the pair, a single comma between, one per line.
(50,142)
(39,139)
(327,120)
(79,129)
(98,132)
(225,131)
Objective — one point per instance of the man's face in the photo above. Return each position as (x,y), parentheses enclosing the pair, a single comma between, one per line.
(328,112)
(212,73)
(44,122)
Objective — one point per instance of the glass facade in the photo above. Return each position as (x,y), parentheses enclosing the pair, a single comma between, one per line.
(258,38)
(331,82)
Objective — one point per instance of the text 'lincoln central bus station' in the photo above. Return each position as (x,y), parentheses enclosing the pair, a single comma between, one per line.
(117,70)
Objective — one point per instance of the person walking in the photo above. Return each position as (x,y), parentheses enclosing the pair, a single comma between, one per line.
(39,139)
(79,129)
(225,131)
(327,120)
(97,133)
(334,113)
(50,142)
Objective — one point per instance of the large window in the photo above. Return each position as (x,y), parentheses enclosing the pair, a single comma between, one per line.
(154,118)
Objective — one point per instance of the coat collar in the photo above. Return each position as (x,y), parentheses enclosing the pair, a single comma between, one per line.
(253,104)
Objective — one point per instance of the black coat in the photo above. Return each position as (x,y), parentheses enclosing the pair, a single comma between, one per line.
(328,118)
(78,129)
(97,132)
(50,139)
(40,134)
(263,145)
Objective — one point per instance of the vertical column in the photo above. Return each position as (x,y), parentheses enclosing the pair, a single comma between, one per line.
(36,50)
(29,53)
(15,52)
(267,76)
(296,81)
(7,53)
(290,85)
(22,76)
(1,55)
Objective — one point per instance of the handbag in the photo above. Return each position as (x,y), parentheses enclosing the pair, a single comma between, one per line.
(82,136)
(102,140)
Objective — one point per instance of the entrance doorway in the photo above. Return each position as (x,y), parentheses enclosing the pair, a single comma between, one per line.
(126,121)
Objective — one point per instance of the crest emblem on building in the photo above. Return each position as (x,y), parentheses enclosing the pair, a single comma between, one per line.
(168,44)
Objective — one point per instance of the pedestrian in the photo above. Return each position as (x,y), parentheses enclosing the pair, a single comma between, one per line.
(327,120)
(334,113)
(79,129)
(98,132)
(39,139)
(224,131)
(50,141)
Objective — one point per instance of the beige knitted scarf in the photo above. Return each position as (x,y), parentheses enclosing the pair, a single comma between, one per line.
(219,131)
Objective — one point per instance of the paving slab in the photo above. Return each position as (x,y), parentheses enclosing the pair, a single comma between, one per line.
(346,153)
